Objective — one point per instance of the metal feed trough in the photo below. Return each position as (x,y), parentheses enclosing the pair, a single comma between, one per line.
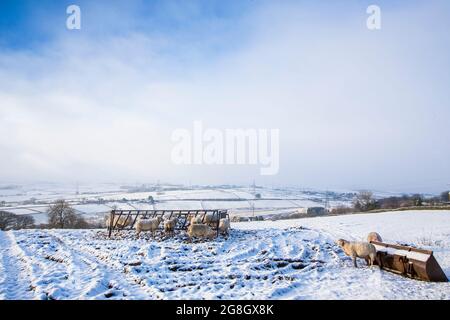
(131,217)
(410,262)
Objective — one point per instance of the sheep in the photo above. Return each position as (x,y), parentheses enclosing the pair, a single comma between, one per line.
(373,236)
(236,219)
(224,225)
(210,218)
(169,226)
(355,250)
(200,230)
(151,224)
(119,222)
(195,219)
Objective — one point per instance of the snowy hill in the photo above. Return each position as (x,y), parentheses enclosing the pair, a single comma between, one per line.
(294,259)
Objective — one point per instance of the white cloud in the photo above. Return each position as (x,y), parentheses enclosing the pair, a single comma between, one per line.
(355,108)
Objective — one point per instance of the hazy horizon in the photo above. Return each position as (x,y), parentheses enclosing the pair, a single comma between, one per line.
(356,108)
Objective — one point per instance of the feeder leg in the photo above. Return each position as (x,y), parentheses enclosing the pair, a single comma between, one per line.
(111,222)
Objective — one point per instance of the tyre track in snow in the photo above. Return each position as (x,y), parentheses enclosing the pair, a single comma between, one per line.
(111,273)
(44,273)
(86,278)
(51,265)
(15,281)
(319,251)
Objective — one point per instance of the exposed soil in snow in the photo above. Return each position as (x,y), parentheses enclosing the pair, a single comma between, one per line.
(295,259)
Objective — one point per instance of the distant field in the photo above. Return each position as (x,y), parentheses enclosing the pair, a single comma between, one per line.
(95,201)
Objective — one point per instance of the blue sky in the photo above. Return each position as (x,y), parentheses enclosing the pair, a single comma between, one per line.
(355,108)
(28,23)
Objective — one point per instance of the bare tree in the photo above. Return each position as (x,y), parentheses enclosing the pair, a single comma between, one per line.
(342,209)
(364,201)
(23,222)
(80,223)
(11,221)
(417,200)
(390,203)
(61,215)
(6,220)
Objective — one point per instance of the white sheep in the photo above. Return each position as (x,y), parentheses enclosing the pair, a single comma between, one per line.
(224,225)
(151,224)
(236,219)
(210,218)
(373,236)
(362,250)
(119,221)
(195,219)
(169,226)
(200,230)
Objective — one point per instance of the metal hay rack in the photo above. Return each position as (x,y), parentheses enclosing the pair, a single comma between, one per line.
(131,217)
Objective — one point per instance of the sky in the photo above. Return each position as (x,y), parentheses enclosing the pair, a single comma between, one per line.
(355,108)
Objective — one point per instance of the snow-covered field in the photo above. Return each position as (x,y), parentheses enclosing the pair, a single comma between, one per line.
(292,259)
(94,201)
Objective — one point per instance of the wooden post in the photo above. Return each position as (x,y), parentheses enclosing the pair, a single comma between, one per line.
(114,221)
(218,221)
(111,222)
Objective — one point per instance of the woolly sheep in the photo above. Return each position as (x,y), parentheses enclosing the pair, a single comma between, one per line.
(200,230)
(362,250)
(236,219)
(169,226)
(120,222)
(224,225)
(195,219)
(210,218)
(373,236)
(151,224)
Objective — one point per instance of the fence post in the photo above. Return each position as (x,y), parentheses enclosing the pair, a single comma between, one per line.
(218,222)
(111,221)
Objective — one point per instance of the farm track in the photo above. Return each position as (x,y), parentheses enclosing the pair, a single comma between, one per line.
(57,273)
(87,277)
(110,274)
(15,281)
